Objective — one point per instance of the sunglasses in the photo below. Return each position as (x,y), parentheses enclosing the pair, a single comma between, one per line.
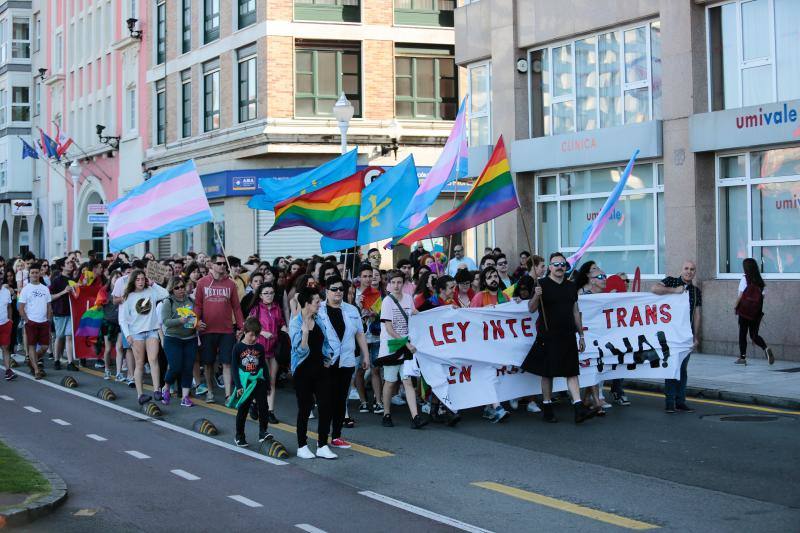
(600,276)
(176,287)
(220,264)
(458,250)
(268,293)
(502,263)
(560,264)
(335,289)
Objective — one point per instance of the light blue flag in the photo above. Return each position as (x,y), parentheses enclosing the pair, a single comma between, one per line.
(382,204)
(275,191)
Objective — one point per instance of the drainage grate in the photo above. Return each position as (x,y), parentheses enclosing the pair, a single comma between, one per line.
(748,418)
(790,370)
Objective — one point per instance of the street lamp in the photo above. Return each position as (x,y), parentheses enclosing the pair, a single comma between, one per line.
(343,111)
(75,171)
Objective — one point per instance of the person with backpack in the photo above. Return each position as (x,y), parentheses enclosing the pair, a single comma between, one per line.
(750,308)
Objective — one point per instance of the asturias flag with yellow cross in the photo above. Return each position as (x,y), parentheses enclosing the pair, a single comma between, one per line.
(382,204)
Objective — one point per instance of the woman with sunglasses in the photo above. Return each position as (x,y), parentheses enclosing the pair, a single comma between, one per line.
(180,339)
(590,279)
(270,316)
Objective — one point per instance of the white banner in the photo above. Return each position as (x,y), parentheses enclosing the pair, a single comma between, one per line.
(471,357)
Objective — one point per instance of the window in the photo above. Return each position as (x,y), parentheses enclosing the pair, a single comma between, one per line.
(328,10)
(424,12)
(161,112)
(3,174)
(599,81)
(215,229)
(58,214)
(132,9)
(247,13)
(37,33)
(248,83)
(3,45)
(37,97)
(59,52)
(131,101)
(480,103)
(568,201)
(186,44)
(753,53)
(211,95)
(186,103)
(3,108)
(20,104)
(425,83)
(768,182)
(161,33)
(21,39)
(321,74)
(210,20)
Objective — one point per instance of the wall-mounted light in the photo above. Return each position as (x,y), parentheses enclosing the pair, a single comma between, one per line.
(136,34)
(113,142)
(42,74)
(394,138)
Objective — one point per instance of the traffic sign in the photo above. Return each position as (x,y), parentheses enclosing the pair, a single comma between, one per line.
(97,209)
(97,219)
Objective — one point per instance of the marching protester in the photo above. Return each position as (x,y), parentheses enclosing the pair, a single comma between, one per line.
(251,365)
(368,299)
(524,267)
(675,389)
(344,330)
(60,289)
(459,261)
(749,308)
(180,339)
(6,323)
(463,293)
(501,263)
(590,279)
(217,306)
(139,323)
(270,316)
(35,310)
(555,351)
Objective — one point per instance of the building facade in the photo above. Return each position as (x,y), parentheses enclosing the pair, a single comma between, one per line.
(706,91)
(246,88)
(21,228)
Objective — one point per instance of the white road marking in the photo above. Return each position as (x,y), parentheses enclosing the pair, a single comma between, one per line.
(138,455)
(247,501)
(98,438)
(423,512)
(185,475)
(309,528)
(161,423)
(6,398)
(61,422)
(32,409)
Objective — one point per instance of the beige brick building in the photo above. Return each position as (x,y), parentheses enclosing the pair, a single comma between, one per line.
(246,89)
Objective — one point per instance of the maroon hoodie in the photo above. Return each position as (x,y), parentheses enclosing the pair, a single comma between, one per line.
(217,303)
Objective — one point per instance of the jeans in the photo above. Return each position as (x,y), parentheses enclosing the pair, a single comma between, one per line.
(259,394)
(752,326)
(675,389)
(180,359)
(340,387)
(312,382)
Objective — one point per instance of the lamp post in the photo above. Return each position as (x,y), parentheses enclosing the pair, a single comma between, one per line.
(343,111)
(75,172)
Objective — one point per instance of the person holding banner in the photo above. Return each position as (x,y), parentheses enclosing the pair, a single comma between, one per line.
(554,352)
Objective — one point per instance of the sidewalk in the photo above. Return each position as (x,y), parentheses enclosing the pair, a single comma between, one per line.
(717,377)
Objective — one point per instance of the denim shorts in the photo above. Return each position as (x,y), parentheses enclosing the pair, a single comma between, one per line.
(145,335)
(63,326)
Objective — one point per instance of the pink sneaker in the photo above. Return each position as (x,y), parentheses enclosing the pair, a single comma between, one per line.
(340,443)
(165,396)
(186,402)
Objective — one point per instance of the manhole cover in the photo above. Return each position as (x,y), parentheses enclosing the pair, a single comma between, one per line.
(748,418)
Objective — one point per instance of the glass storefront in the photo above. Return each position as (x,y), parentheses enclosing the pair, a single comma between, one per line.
(758,211)
(567,202)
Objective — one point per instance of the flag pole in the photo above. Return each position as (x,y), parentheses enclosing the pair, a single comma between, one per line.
(221,244)
(455,191)
(530,247)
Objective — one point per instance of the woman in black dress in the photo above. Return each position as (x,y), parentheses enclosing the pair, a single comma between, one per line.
(555,350)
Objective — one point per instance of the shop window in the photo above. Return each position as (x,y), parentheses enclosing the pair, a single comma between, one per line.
(753,53)
(321,74)
(480,104)
(598,81)
(567,202)
(769,183)
(328,10)
(215,230)
(425,83)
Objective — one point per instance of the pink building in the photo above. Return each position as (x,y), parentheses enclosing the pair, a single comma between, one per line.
(95,77)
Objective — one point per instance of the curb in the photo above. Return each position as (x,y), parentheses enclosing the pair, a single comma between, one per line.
(718,394)
(24,514)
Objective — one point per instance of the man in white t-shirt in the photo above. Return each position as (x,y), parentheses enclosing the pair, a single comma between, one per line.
(5,331)
(394,319)
(34,308)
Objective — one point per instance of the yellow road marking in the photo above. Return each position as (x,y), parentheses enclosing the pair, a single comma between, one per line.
(373,452)
(717,402)
(561,505)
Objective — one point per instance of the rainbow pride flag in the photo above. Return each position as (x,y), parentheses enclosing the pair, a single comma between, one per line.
(92,319)
(333,210)
(371,299)
(492,195)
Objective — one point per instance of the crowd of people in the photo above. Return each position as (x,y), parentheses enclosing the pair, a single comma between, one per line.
(218,327)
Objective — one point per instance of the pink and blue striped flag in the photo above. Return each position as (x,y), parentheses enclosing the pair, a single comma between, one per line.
(170,201)
(594,228)
(451,165)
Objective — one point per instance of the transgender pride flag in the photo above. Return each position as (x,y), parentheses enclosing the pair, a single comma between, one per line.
(170,201)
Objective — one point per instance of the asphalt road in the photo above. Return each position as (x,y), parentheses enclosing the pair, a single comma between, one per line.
(636,468)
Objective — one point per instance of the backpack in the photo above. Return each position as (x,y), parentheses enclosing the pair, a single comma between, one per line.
(751,302)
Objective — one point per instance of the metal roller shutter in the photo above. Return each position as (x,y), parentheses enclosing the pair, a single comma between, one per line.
(164,245)
(297,242)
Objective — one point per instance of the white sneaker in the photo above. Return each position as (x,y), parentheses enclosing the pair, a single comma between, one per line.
(426,408)
(398,400)
(120,377)
(305,453)
(606,405)
(533,408)
(323,452)
(311,414)
(147,368)
(107,374)
(514,404)
(353,394)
